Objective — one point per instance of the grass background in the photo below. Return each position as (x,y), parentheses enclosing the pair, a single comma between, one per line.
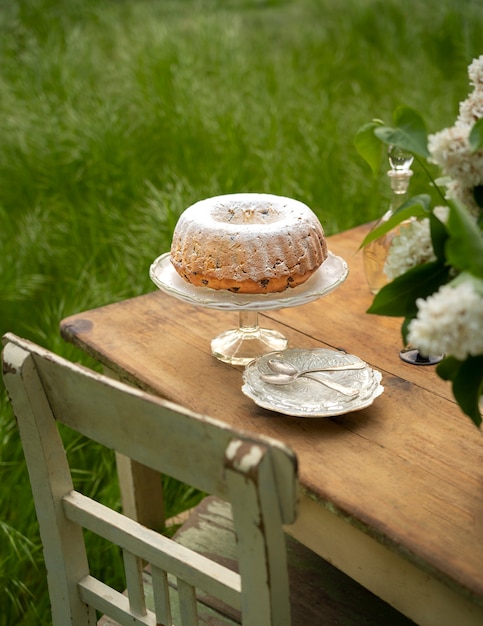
(117,115)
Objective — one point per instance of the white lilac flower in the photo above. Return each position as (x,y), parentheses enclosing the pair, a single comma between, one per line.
(410,247)
(450,147)
(449,322)
(475,72)
(471,109)
(456,191)
(450,150)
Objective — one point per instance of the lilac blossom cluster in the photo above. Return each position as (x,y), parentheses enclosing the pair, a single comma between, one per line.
(450,321)
(450,148)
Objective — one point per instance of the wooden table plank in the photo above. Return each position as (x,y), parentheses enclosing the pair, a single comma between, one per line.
(408,470)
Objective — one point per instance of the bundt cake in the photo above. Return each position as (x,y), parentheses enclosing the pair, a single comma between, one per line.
(248,243)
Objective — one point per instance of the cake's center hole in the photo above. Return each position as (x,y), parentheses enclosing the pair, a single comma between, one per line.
(244,213)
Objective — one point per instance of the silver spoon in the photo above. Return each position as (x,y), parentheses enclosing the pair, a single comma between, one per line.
(286,379)
(282,367)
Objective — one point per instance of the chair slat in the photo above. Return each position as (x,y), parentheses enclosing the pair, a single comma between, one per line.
(133,568)
(153,547)
(162,605)
(109,601)
(187,604)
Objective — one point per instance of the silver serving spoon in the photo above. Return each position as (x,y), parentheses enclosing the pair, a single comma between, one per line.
(286,379)
(282,367)
(285,373)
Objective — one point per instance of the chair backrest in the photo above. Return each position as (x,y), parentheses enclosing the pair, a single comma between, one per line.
(257,475)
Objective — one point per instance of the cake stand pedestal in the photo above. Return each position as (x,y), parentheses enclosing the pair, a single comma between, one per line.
(241,345)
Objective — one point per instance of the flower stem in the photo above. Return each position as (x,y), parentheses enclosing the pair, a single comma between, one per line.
(428,174)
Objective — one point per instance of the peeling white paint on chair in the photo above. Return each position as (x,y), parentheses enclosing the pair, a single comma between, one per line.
(244,456)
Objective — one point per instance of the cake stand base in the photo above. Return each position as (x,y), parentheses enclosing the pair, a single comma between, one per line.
(243,344)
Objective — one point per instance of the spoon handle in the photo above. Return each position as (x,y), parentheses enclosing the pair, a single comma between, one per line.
(331,384)
(335,368)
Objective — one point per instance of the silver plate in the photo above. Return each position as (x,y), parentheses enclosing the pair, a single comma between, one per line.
(305,397)
(331,274)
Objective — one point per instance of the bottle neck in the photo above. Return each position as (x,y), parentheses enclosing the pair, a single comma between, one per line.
(399,186)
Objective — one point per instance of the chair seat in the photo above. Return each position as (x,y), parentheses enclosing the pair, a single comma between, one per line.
(320,594)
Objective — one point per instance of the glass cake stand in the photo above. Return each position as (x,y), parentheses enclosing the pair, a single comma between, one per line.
(241,345)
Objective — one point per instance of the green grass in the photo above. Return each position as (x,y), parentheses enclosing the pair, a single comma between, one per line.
(117,115)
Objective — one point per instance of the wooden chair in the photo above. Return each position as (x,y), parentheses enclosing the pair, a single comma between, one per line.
(254,484)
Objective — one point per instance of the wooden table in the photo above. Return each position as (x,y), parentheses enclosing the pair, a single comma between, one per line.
(392,494)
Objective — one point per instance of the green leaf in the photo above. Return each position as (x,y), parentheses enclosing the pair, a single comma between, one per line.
(448,368)
(467,379)
(409,132)
(398,298)
(369,146)
(478,196)
(464,248)
(405,328)
(476,136)
(439,237)
(418,206)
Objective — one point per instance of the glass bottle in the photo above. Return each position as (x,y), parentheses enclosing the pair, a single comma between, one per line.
(375,253)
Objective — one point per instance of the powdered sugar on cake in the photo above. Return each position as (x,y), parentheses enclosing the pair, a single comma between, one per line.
(249,243)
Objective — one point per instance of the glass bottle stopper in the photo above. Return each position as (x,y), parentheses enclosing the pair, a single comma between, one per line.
(400,161)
